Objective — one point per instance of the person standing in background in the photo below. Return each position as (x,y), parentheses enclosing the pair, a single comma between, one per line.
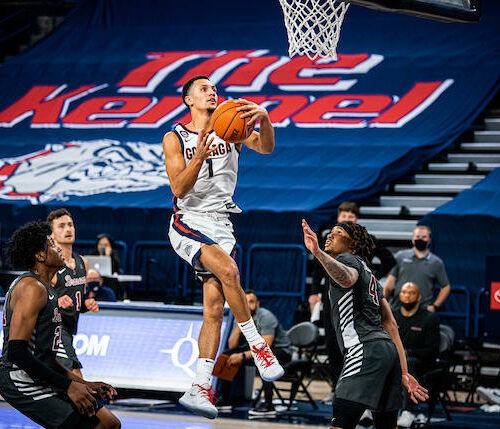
(419,265)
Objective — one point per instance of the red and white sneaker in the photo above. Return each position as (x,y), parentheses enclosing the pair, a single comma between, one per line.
(200,400)
(265,361)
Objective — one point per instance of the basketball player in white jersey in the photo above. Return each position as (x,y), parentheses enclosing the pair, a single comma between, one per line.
(202,171)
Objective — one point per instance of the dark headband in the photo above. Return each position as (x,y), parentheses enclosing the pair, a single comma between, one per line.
(345,226)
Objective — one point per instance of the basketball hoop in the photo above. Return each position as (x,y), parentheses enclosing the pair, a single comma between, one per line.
(313,26)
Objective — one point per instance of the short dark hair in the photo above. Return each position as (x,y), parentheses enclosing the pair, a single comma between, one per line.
(56,214)
(187,86)
(251,292)
(348,206)
(25,242)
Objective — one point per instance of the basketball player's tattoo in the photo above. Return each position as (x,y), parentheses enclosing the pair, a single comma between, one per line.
(343,275)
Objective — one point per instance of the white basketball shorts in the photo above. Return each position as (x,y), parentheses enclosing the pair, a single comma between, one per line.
(188,231)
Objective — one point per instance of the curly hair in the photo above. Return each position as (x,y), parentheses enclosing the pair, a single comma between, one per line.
(26,242)
(363,241)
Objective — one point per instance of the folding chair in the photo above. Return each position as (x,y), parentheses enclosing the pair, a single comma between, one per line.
(304,338)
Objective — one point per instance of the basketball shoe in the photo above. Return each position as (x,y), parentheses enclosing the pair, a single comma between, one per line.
(265,361)
(199,400)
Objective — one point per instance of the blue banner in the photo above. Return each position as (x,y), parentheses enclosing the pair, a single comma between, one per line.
(83,113)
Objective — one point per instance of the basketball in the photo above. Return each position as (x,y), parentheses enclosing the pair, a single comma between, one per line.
(228,125)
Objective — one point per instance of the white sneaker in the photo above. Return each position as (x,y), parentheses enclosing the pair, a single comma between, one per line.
(420,419)
(267,364)
(406,418)
(199,400)
(492,396)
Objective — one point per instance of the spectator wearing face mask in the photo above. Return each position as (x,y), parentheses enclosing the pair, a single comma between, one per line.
(96,288)
(419,265)
(419,332)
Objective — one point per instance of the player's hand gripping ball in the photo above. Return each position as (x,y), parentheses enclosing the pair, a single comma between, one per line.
(228,125)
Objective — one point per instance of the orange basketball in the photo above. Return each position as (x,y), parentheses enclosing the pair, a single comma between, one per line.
(228,125)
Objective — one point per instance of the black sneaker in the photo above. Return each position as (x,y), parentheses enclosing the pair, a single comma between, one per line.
(263,410)
(223,406)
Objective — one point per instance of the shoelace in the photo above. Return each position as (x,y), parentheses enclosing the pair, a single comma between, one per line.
(264,355)
(209,393)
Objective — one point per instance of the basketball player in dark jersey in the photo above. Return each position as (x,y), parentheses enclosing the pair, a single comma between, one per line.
(70,284)
(31,380)
(374,368)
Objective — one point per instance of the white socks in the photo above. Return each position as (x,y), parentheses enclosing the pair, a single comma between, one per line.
(249,330)
(204,370)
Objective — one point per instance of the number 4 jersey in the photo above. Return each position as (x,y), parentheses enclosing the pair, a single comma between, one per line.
(356,310)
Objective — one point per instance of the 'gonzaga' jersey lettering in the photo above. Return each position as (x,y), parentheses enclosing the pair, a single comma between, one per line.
(72,283)
(356,310)
(214,188)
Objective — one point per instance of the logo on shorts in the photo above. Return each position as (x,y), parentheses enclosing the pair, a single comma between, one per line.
(188,249)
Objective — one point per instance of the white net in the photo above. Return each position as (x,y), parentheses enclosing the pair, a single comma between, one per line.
(313,26)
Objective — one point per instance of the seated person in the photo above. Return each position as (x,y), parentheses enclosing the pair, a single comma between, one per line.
(105,246)
(276,337)
(96,288)
(419,332)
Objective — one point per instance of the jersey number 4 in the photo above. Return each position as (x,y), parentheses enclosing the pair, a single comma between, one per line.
(373,290)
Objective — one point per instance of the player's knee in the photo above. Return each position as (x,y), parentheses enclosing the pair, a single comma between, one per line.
(230,275)
(112,422)
(213,310)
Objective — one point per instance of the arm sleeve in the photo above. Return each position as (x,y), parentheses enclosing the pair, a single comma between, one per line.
(18,353)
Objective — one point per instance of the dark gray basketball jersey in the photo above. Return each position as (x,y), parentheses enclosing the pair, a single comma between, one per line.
(356,310)
(72,283)
(46,336)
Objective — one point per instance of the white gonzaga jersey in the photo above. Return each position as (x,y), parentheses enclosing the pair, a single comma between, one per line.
(214,188)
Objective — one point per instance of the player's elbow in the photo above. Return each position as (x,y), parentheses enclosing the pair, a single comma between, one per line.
(178,191)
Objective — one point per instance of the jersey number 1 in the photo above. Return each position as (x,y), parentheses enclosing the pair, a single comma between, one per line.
(210,168)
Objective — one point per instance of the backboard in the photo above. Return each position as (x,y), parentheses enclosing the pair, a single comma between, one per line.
(442,10)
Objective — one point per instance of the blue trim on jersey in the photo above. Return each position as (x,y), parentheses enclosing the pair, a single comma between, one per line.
(186,231)
(180,140)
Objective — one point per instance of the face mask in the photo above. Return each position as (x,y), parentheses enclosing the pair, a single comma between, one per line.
(101,250)
(408,306)
(93,286)
(420,244)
